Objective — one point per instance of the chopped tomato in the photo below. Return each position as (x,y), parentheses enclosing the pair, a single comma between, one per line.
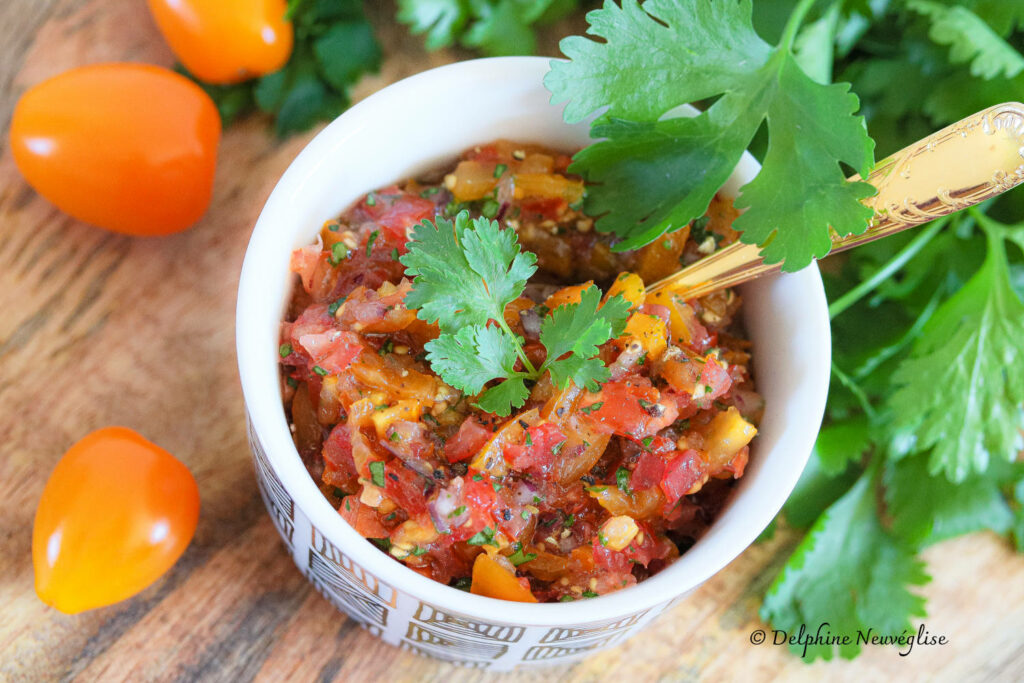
(549,208)
(339,466)
(406,488)
(305,261)
(646,546)
(681,473)
(715,378)
(467,442)
(363,518)
(650,468)
(376,311)
(631,408)
(538,449)
(396,211)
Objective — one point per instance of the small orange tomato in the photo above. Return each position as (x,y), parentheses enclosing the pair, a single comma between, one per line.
(226,41)
(116,513)
(127,147)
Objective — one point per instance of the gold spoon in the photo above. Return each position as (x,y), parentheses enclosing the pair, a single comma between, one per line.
(959,166)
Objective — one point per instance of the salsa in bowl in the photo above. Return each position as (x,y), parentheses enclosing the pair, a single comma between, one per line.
(406,131)
(574,491)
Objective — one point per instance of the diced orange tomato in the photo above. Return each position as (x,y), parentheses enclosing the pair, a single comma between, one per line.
(491,458)
(492,580)
(548,186)
(649,330)
(630,286)
(567,295)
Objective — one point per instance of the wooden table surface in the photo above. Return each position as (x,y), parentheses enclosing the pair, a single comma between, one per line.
(99,329)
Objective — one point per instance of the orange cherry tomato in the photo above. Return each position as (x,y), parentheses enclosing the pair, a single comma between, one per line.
(127,147)
(116,513)
(226,41)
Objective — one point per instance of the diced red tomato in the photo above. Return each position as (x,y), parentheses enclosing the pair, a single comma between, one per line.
(333,351)
(650,468)
(658,311)
(645,547)
(467,442)
(549,208)
(304,262)
(482,501)
(681,473)
(339,466)
(363,518)
(406,488)
(377,311)
(536,453)
(631,407)
(395,210)
(716,376)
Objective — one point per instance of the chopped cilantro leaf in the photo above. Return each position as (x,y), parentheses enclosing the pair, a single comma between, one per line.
(339,252)
(483,537)
(377,472)
(371,240)
(622,480)
(285,350)
(519,557)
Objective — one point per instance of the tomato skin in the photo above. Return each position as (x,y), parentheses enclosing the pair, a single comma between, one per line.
(126,147)
(116,513)
(226,41)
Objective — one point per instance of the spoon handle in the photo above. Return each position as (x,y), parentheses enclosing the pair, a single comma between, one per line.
(962,165)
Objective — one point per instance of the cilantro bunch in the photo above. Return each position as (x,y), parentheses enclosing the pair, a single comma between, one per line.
(334,46)
(495,27)
(464,275)
(922,438)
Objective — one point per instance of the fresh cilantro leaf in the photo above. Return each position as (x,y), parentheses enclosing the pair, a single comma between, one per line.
(654,174)
(579,329)
(441,20)
(849,573)
(926,508)
(345,52)
(828,473)
(814,47)
(959,392)
(472,357)
(500,399)
(970,39)
(465,273)
(503,27)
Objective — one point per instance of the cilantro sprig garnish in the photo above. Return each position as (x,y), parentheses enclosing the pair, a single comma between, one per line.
(651,174)
(464,275)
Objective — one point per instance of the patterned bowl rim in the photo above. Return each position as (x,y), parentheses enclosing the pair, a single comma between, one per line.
(261,300)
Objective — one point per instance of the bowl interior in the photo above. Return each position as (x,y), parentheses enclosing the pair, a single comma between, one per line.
(417,125)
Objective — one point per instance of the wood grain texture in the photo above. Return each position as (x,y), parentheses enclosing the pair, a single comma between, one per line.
(99,329)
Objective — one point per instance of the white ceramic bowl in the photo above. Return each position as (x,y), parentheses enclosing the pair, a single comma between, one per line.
(409,127)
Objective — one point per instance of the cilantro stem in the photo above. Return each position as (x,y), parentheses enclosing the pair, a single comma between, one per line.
(895,263)
(884,354)
(519,347)
(856,390)
(796,19)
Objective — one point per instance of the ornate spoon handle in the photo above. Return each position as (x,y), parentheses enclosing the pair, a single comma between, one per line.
(959,166)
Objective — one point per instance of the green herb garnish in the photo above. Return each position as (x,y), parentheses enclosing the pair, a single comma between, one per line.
(464,275)
(377,472)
